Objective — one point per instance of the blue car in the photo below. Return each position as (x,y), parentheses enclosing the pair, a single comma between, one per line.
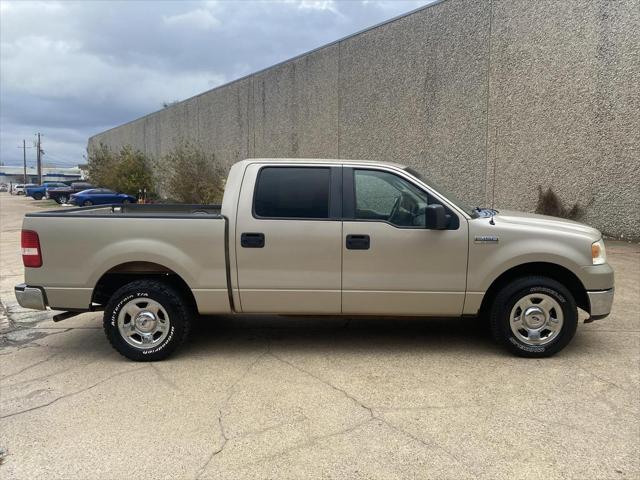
(100,196)
(38,192)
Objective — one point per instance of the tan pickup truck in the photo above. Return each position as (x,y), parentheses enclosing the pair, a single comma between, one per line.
(316,237)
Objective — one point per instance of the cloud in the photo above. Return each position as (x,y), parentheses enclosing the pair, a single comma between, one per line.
(328,5)
(72,69)
(69,72)
(199,18)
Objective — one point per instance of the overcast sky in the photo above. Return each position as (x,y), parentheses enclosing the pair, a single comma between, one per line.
(71,69)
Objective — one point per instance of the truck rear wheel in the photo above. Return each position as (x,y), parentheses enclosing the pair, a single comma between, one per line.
(534,316)
(146,320)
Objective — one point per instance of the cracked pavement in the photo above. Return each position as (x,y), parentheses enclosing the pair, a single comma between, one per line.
(278,397)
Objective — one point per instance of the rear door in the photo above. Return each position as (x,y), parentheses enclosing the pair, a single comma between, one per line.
(288,239)
(392,264)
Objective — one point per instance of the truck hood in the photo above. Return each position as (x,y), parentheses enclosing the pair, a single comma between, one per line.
(546,222)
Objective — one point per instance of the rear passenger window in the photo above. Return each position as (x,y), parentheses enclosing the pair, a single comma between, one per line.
(292,192)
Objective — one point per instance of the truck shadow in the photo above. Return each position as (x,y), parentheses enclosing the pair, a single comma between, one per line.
(346,334)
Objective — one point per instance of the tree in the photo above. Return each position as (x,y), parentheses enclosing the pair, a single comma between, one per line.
(192,175)
(101,165)
(132,172)
(126,171)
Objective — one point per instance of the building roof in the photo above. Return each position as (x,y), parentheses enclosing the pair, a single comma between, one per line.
(19,170)
(8,173)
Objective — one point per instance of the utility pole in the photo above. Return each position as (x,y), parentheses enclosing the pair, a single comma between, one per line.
(39,158)
(24,160)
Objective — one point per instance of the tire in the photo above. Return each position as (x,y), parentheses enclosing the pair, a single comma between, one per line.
(87,203)
(37,196)
(534,317)
(62,199)
(143,297)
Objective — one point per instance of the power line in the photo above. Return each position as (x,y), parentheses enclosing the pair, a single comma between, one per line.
(60,163)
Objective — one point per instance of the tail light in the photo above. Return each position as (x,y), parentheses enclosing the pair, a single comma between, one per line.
(31,253)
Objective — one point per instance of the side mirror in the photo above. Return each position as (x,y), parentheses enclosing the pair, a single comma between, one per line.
(435,217)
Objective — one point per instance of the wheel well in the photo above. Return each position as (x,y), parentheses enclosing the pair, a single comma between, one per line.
(129,272)
(551,270)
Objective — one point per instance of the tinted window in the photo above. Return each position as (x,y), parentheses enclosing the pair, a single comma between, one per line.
(292,192)
(387,197)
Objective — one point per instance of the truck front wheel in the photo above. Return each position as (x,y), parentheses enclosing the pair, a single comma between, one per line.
(534,316)
(146,320)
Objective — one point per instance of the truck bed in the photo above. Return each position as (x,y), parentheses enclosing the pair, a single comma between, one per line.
(80,245)
(134,210)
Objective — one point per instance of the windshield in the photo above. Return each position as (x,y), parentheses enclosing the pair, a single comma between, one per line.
(443,191)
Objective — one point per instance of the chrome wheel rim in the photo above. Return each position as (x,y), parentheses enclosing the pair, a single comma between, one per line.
(143,323)
(536,319)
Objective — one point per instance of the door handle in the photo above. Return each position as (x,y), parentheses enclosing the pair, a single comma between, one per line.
(358,242)
(252,240)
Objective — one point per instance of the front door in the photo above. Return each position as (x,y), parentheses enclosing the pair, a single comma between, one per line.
(392,264)
(288,239)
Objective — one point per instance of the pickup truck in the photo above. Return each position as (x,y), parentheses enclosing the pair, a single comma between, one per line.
(316,237)
(38,192)
(62,194)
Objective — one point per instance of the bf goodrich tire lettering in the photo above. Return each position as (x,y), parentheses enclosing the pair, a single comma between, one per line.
(146,320)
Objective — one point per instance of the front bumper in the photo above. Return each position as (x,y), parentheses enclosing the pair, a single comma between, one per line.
(600,302)
(30,297)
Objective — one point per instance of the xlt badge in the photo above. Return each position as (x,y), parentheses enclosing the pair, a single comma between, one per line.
(486,239)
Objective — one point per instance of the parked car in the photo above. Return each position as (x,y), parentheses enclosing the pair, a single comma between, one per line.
(38,192)
(4,187)
(63,194)
(316,237)
(100,196)
(17,189)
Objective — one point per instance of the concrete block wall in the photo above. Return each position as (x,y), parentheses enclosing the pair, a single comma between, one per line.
(493,97)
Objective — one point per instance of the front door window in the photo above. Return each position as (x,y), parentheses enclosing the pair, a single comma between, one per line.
(386,197)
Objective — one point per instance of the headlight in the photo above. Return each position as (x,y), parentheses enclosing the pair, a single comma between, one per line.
(598,252)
